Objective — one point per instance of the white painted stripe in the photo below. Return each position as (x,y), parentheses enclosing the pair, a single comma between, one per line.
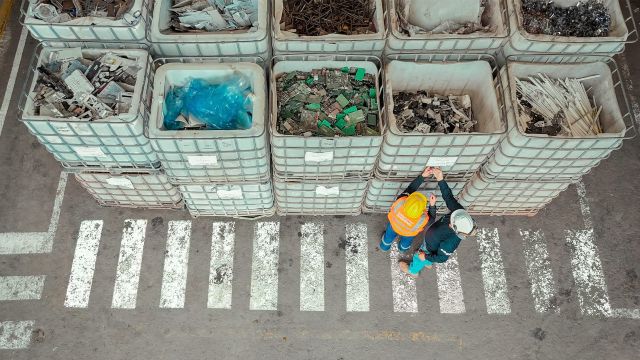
(84,264)
(8,93)
(588,274)
(125,291)
(176,263)
(584,205)
(543,288)
(15,334)
(356,256)
(21,287)
(450,286)
(264,269)
(36,242)
(221,265)
(493,276)
(626,313)
(312,267)
(405,295)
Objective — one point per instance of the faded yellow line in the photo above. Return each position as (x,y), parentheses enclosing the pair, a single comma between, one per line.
(5,12)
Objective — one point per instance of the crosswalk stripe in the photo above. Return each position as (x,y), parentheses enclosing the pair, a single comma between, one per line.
(357,266)
(176,264)
(494,279)
(405,295)
(312,267)
(588,274)
(221,265)
(83,265)
(21,287)
(264,269)
(450,286)
(15,334)
(125,290)
(536,256)
(24,243)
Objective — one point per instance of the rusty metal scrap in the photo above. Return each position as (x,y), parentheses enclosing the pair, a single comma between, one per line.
(323,17)
(425,113)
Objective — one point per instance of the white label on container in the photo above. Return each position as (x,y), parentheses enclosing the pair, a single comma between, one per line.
(120,181)
(63,129)
(202,160)
(67,54)
(314,157)
(234,193)
(87,151)
(81,129)
(325,191)
(442,161)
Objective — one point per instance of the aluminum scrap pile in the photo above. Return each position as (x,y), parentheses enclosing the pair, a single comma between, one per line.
(424,113)
(327,102)
(585,19)
(481,20)
(323,17)
(556,107)
(63,11)
(213,15)
(77,87)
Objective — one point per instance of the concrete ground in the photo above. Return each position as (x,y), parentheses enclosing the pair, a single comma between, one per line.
(561,285)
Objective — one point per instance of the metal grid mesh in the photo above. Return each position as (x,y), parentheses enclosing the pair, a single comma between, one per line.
(136,190)
(522,41)
(116,142)
(44,32)
(405,154)
(530,157)
(351,157)
(484,196)
(381,194)
(319,198)
(238,155)
(398,42)
(241,200)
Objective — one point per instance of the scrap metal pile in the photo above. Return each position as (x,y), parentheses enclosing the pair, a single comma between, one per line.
(556,107)
(323,17)
(213,15)
(479,21)
(78,87)
(585,19)
(425,113)
(327,102)
(63,11)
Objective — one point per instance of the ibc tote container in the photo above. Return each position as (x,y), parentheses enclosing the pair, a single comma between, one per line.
(490,42)
(132,28)
(366,44)
(322,158)
(486,196)
(403,155)
(165,42)
(150,190)
(319,197)
(622,31)
(522,156)
(238,200)
(381,194)
(206,156)
(117,142)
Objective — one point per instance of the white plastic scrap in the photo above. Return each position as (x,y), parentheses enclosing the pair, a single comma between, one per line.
(214,15)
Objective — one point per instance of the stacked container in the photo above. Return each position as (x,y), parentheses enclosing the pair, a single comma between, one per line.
(528,170)
(165,42)
(110,153)
(405,155)
(218,172)
(321,175)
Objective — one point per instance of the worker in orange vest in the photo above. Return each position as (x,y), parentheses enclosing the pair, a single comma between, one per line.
(409,215)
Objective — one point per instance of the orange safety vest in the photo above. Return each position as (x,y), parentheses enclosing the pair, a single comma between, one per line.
(402,224)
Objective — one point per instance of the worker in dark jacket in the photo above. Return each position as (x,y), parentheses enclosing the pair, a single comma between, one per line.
(443,236)
(408,215)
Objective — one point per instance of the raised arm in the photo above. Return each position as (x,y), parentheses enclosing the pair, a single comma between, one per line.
(445,190)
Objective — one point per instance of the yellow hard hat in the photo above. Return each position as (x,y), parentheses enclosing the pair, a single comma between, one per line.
(415,205)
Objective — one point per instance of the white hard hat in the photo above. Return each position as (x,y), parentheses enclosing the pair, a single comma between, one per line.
(462,222)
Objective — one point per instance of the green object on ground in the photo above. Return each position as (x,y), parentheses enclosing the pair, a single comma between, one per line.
(345,69)
(340,124)
(324,123)
(314,106)
(349,110)
(310,80)
(349,131)
(372,93)
(342,100)
(360,74)
(340,116)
